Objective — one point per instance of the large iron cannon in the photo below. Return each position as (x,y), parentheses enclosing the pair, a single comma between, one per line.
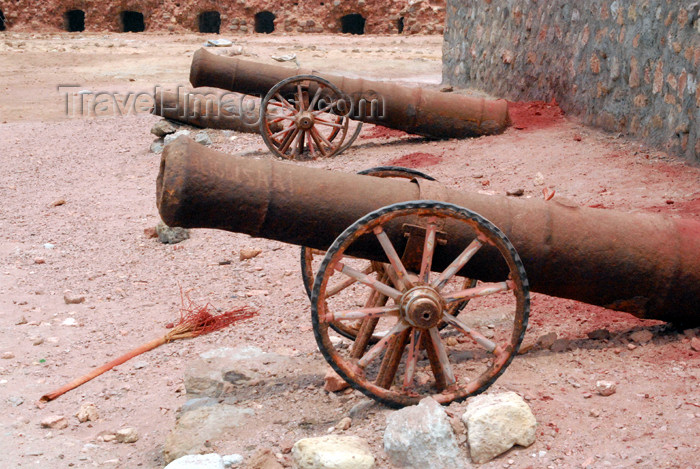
(443,276)
(315,107)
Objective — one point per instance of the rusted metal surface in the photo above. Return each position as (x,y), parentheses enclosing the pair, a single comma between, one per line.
(645,264)
(208,108)
(411,109)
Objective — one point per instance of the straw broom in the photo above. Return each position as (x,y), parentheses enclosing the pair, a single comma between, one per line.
(196,322)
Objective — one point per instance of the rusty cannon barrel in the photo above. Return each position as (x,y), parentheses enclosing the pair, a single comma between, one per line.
(411,109)
(644,264)
(207,108)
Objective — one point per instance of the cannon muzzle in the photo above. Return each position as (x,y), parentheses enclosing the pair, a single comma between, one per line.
(644,264)
(206,108)
(411,109)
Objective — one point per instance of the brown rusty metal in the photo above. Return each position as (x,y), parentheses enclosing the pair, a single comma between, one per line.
(645,264)
(411,109)
(209,108)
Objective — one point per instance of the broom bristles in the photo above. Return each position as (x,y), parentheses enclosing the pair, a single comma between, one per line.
(194,321)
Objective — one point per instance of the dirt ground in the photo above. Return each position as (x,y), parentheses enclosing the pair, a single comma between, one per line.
(78,192)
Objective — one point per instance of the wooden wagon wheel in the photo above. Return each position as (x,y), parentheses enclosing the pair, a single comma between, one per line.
(415,359)
(311,258)
(310,111)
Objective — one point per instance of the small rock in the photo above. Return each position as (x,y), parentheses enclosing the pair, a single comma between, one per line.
(37,340)
(15,400)
(7,355)
(87,412)
(57,422)
(48,246)
(106,437)
(594,413)
(344,424)
(198,461)
(70,299)
(246,253)
(547,340)
(150,233)
(157,146)
(446,89)
(560,345)
(641,337)
(58,203)
(359,409)
(333,382)
(140,364)
(422,436)
(230,460)
(631,346)
(605,388)
(539,179)
(162,128)
(264,459)
(202,137)
(70,322)
(497,422)
(515,192)
(21,321)
(332,451)
(169,138)
(170,235)
(39,260)
(127,435)
(599,334)
(695,344)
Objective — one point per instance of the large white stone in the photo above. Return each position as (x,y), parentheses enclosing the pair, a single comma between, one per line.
(496,422)
(332,452)
(421,437)
(198,461)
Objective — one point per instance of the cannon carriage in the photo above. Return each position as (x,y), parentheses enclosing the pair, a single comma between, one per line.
(304,113)
(432,285)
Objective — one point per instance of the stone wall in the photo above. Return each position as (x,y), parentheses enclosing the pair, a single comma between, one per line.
(236,16)
(628,66)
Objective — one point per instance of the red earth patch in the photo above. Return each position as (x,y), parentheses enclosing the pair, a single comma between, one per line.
(533,115)
(416,160)
(382,132)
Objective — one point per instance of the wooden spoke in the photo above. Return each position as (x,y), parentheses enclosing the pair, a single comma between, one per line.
(284,145)
(347,282)
(363,313)
(482,290)
(428,250)
(457,264)
(377,348)
(442,357)
(412,358)
(367,280)
(394,259)
(464,329)
(392,359)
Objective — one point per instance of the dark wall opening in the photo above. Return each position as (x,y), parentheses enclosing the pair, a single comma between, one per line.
(210,22)
(2,21)
(264,22)
(399,25)
(353,24)
(75,21)
(132,22)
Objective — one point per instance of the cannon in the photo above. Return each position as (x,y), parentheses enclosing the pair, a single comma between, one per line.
(206,108)
(432,284)
(315,108)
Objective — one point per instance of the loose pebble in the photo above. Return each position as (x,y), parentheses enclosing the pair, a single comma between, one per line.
(605,388)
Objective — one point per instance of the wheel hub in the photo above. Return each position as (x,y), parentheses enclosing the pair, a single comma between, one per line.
(422,307)
(305,120)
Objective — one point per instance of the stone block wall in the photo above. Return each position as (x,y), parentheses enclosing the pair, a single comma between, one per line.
(237,16)
(628,66)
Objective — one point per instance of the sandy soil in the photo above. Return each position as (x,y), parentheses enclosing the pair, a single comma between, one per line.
(79,192)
